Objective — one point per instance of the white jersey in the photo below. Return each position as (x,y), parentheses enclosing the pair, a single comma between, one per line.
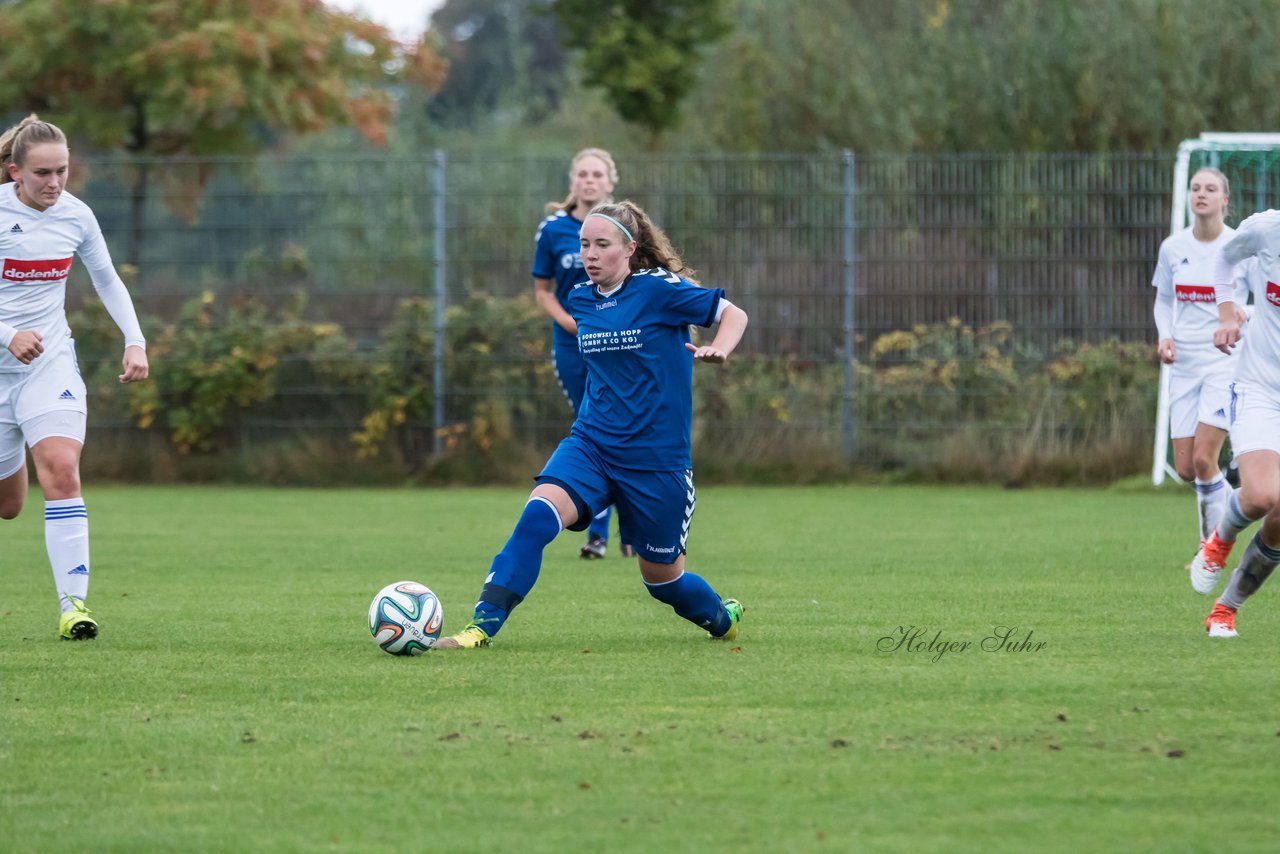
(1252,259)
(36,251)
(1185,271)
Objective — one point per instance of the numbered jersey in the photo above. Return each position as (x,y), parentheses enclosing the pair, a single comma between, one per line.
(558,257)
(639,401)
(36,251)
(1185,268)
(1254,256)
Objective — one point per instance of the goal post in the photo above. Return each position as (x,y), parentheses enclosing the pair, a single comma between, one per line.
(1250,161)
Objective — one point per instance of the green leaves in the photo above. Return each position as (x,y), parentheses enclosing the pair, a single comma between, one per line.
(643,53)
(162,77)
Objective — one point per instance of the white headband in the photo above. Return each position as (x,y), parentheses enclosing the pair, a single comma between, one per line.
(615,222)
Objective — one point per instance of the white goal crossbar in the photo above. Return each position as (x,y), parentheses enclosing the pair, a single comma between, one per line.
(1208,144)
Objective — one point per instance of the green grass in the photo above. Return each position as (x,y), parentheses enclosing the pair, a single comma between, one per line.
(235,701)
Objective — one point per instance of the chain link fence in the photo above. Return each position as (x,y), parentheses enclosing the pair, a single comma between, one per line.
(996,263)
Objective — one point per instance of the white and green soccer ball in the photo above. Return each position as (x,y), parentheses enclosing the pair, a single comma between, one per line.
(405,618)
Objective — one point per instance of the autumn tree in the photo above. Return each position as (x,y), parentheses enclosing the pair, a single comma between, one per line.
(201,77)
(644,54)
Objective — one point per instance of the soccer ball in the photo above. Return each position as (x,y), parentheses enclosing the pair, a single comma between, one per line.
(405,618)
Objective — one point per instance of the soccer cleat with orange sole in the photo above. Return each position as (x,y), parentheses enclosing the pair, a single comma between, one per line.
(1221,622)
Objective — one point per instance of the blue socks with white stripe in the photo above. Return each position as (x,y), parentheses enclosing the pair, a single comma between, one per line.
(599,526)
(694,599)
(66,537)
(515,569)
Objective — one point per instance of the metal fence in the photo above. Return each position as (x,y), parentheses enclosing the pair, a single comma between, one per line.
(825,252)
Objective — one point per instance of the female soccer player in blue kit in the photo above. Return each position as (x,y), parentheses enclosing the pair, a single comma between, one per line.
(631,443)
(557,267)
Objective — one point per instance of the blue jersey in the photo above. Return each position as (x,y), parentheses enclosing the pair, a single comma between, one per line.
(558,257)
(638,409)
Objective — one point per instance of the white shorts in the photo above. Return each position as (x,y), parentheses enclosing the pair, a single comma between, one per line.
(1255,419)
(1199,398)
(49,400)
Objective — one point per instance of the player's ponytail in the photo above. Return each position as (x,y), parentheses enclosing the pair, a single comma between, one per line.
(570,201)
(653,247)
(21,138)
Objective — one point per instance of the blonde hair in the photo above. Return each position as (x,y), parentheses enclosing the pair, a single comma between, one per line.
(18,140)
(570,201)
(1217,173)
(653,247)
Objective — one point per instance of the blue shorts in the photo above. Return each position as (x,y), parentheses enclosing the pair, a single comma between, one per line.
(654,507)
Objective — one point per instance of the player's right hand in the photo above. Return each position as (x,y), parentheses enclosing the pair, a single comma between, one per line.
(1226,336)
(1166,350)
(26,345)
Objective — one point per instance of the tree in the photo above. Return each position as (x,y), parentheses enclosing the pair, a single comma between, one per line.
(200,77)
(986,75)
(504,55)
(645,54)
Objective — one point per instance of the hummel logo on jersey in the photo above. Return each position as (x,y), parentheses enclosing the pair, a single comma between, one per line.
(66,395)
(17,229)
(79,570)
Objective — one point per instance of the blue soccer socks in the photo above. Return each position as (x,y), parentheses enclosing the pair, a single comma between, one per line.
(692,598)
(515,569)
(599,526)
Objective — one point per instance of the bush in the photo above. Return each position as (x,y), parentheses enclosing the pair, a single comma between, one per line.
(241,390)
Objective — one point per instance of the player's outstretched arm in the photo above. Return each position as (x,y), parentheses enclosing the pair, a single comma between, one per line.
(733,323)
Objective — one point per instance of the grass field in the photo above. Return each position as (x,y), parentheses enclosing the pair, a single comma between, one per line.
(235,701)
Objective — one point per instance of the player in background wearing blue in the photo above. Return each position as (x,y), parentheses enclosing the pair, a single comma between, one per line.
(631,442)
(42,395)
(557,267)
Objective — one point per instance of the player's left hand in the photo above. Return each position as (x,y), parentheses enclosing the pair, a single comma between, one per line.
(135,364)
(707,354)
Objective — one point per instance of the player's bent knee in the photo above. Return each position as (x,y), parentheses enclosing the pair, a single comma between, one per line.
(1256,502)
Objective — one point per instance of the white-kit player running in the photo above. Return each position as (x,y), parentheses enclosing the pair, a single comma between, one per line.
(1186,315)
(42,395)
(1255,421)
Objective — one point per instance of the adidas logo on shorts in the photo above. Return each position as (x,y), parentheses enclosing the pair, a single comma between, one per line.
(66,395)
(17,229)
